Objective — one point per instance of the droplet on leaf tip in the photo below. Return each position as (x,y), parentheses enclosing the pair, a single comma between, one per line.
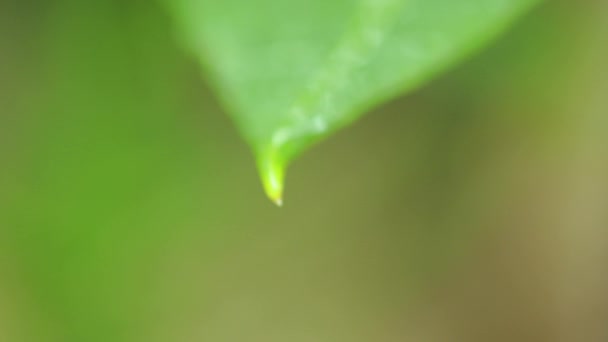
(279,202)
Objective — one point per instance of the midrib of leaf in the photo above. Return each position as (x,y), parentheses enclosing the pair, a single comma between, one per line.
(312,113)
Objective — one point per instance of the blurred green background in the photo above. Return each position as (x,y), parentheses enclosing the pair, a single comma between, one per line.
(474,209)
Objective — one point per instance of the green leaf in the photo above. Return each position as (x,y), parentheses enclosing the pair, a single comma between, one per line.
(292,72)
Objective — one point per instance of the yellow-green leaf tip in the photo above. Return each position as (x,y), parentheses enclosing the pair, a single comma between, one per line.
(272,172)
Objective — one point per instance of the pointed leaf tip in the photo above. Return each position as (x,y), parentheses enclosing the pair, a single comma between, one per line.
(272,172)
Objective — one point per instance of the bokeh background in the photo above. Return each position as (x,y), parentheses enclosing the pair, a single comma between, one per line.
(474,209)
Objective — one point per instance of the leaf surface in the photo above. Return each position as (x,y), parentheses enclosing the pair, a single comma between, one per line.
(292,72)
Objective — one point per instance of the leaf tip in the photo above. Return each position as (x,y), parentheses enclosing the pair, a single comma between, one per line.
(272,172)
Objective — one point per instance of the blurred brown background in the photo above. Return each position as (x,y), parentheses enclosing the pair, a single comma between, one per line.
(475,209)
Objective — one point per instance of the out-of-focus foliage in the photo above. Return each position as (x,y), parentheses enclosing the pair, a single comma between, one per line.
(101,146)
(293,71)
(471,210)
